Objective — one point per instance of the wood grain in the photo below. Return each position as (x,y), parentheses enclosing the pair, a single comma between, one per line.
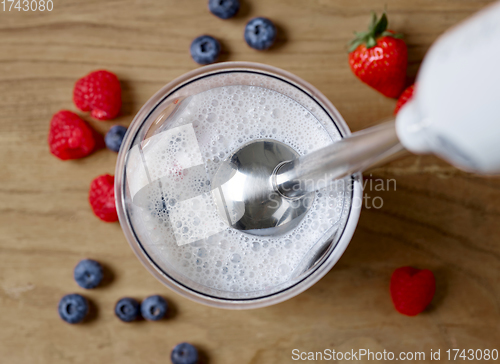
(438,217)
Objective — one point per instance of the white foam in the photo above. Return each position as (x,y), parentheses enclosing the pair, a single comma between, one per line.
(169,178)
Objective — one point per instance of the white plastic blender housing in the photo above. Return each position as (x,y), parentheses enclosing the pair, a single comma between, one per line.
(455,111)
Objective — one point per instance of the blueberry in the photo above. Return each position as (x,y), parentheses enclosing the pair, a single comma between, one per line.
(224,9)
(127,309)
(73,308)
(88,273)
(260,33)
(154,308)
(205,49)
(184,353)
(114,137)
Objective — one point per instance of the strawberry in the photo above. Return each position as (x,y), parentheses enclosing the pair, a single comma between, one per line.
(70,137)
(412,290)
(378,57)
(405,96)
(100,93)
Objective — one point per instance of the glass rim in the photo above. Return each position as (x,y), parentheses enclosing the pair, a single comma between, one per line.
(317,273)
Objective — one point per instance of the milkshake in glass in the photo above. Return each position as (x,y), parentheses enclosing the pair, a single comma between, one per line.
(165,186)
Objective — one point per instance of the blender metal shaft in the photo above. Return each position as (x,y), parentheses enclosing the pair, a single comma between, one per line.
(265,189)
(355,153)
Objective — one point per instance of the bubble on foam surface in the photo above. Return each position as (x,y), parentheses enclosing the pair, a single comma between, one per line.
(169,179)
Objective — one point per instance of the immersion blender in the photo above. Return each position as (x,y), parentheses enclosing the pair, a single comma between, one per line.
(454,114)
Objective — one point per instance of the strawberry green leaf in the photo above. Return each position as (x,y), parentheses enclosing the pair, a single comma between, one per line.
(390,34)
(371,42)
(376,29)
(381,25)
(361,34)
(355,44)
(373,21)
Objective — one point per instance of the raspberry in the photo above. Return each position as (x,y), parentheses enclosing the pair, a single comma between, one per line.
(102,198)
(412,290)
(405,96)
(70,137)
(100,93)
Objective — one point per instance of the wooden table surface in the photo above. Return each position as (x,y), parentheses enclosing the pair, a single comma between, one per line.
(438,217)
